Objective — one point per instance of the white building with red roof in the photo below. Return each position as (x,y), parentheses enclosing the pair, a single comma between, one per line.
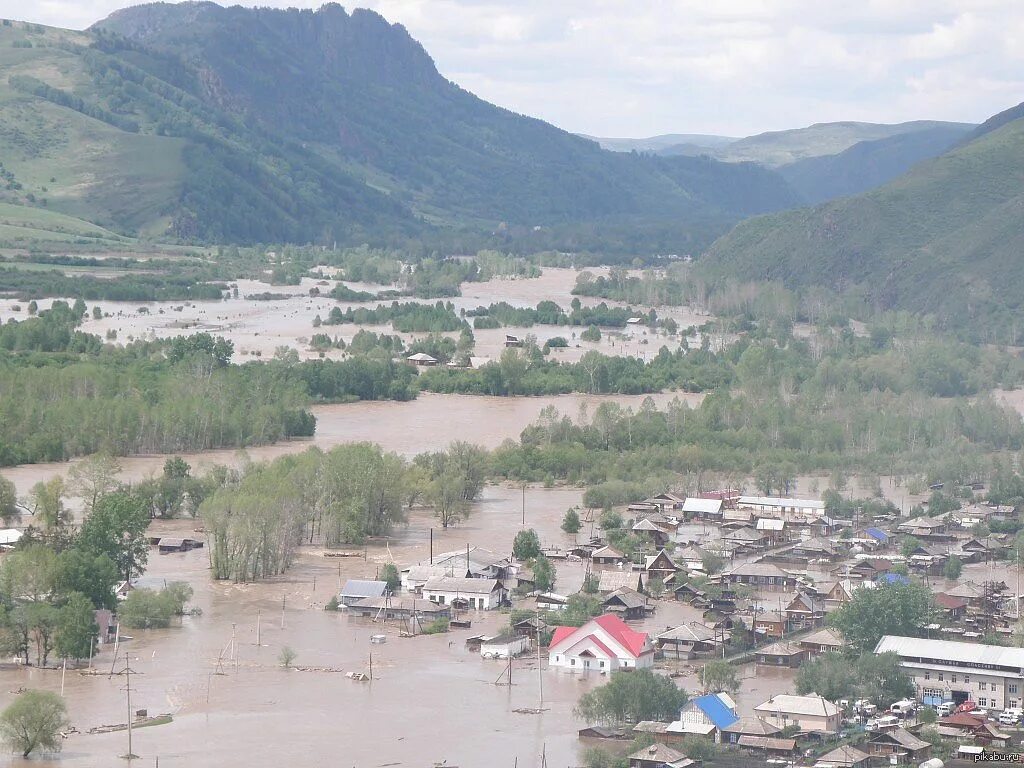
(603,644)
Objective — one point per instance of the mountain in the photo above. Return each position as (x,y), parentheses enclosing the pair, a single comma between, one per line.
(778,148)
(946,238)
(665,143)
(868,164)
(261,125)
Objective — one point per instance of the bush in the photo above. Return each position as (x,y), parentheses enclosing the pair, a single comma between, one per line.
(286,657)
(436,627)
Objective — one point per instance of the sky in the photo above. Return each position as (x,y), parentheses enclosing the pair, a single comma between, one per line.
(629,68)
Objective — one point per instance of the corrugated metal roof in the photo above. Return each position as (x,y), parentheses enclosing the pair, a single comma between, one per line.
(718,711)
(359,588)
(702,506)
(951,651)
(778,501)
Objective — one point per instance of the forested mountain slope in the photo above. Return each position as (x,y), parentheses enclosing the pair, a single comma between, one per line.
(232,124)
(946,238)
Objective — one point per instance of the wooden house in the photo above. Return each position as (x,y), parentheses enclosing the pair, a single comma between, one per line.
(782,654)
(626,603)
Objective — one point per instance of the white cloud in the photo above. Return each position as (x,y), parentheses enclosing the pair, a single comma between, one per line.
(622,68)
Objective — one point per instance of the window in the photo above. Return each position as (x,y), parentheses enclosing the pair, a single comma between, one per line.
(952,678)
(982,702)
(927,675)
(1013,688)
(941,677)
(602,664)
(572,662)
(967,679)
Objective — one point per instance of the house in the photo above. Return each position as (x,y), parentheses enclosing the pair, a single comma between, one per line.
(869,568)
(626,603)
(825,640)
(737,518)
(768,624)
(688,640)
(804,612)
(607,556)
(512,341)
(600,732)
(706,716)
(689,594)
(475,562)
(691,558)
(659,756)
(531,626)
(652,532)
(954,608)
(416,611)
(814,548)
(169,544)
(880,536)
(422,359)
(845,756)
(667,501)
(660,566)
(612,580)
(504,646)
(925,528)
(760,576)
(481,594)
(9,537)
(900,744)
(550,601)
(949,670)
(783,507)
(810,713)
(705,509)
(357,589)
(748,726)
(773,529)
(782,654)
(415,576)
(106,624)
(963,726)
(768,745)
(746,537)
(823,525)
(604,643)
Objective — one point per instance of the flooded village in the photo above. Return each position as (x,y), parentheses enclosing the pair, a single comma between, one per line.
(457,657)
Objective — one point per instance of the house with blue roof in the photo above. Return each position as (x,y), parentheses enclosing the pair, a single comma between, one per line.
(878,535)
(893,578)
(706,716)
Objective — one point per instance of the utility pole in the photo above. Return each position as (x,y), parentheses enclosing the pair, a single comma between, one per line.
(283,598)
(128,692)
(258,617)
(524,505)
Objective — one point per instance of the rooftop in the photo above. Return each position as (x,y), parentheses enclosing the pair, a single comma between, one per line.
(467,586)
(359,588)
(811,705)
(952,651)
(780,501)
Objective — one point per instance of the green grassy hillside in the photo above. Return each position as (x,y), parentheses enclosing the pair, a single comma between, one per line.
(946,239)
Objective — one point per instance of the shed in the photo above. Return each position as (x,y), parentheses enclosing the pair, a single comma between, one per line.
(356,590)
(504,646)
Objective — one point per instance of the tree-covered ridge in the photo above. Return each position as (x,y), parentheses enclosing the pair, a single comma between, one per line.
(944,240)
(261,125)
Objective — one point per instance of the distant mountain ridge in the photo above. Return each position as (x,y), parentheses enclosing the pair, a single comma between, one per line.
(946,238)
(263,125)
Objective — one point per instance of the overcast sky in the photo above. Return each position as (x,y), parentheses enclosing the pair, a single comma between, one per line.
(733,67)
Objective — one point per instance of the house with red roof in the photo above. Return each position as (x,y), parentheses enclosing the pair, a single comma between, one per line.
(603,644)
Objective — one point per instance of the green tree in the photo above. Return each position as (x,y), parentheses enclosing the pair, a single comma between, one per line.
(93,575)
(146,609)
(526,545)
(287,657)
(94,477)
(29,573)
(34,720)
(909,545)
(590,584)
(543,573)
(891,609)
(117,527)
(43,622)
(76,630)
(953,568)
(47,505)
(446,497)
(831,675)
(8,501)
(610,520)
(571,523)
(720,676)
(390,574)
(629,697)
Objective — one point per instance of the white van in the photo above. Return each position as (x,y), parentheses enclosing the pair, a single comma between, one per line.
(1010,716)
(945,709)
(903,707)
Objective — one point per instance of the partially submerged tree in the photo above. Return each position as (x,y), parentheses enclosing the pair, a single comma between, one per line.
(34,720)
(629,697)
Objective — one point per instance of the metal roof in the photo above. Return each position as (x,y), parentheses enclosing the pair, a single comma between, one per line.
(359,588)
(454,584)
(951,651)
(777,501)
(717,711)
(811,705)
(702,506)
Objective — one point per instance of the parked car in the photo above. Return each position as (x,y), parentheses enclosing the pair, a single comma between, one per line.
(1009,716)
(885,721)
(945,709)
